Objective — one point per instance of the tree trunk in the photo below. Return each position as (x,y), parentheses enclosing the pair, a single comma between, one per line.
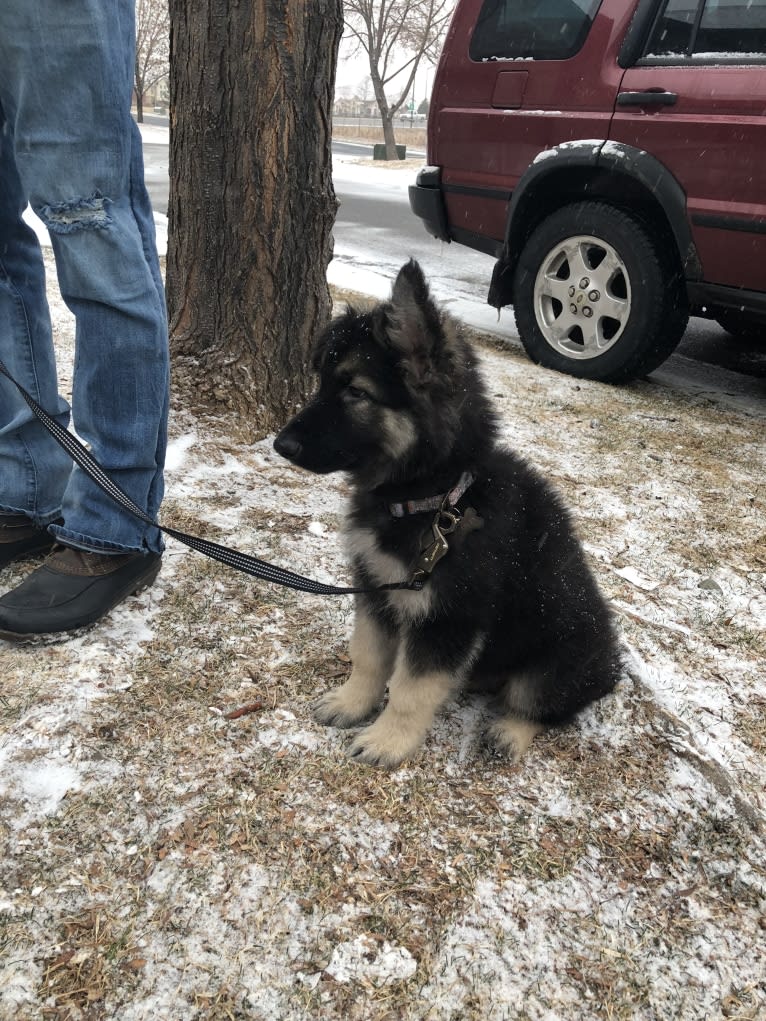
(389,138)
(138,89)
(386,116)
(251,199)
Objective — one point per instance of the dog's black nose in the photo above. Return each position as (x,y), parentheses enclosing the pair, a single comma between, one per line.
(287,446)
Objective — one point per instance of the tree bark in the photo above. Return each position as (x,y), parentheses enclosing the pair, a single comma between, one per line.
(251,199)
(392,153)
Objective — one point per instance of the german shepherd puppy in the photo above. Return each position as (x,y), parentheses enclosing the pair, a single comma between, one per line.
(511,607)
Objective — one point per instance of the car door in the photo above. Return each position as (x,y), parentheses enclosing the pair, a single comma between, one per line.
(696,100)
(515,78)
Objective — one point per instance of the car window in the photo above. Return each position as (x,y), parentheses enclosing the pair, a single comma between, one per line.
(732,26)
(715,29)
(537,29)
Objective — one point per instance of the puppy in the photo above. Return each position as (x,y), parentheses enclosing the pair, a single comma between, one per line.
(508,603)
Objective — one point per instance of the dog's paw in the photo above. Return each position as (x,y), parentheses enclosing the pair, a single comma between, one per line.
(510,737)
(343,707)
(384,744)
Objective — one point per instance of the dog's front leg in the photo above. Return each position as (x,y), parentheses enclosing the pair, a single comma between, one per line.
(413,701)
(372,655)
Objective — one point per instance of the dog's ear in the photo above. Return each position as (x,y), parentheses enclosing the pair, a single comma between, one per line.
(410,288)
(414,325)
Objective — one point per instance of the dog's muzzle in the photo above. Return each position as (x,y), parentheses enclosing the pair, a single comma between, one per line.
(288,446)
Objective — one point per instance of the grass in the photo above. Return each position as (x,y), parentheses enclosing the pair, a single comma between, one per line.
(414,138)
(207,868)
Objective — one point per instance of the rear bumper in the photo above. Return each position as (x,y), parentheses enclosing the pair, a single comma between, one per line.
(427,202)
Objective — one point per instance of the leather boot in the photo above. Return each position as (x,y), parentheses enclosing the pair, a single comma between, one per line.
(72,590)
(20,539)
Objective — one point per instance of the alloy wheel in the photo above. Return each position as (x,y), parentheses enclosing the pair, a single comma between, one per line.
(582,297)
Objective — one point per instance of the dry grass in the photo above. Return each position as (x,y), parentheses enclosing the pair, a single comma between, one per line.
(200,867)
(412,138)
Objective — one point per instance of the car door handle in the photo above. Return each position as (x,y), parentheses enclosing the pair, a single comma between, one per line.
(647,97)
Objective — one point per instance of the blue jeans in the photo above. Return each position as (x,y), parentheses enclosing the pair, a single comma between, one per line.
(70,148)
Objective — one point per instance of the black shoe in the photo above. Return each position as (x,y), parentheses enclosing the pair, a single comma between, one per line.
(72,590)
(20,539)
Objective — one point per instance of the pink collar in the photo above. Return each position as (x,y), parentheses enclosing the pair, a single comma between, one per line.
(444,500)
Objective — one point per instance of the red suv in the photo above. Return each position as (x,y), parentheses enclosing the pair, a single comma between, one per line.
(611,155)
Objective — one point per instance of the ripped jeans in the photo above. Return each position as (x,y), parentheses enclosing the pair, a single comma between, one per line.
(70,148)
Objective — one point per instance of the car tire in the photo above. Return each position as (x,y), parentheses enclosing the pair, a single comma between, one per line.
(741,325)
(598,294)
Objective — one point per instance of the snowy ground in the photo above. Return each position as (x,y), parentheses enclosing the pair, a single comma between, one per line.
(161,860)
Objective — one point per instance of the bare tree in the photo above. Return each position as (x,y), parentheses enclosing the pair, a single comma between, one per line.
(251,199)
(396,36)
(152,48)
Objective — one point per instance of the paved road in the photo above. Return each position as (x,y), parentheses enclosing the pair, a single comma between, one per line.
(156,169)
(392,235)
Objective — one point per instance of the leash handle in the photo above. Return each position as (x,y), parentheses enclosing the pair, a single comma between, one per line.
(231,557)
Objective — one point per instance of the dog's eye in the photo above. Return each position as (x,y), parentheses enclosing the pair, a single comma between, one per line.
(356,394)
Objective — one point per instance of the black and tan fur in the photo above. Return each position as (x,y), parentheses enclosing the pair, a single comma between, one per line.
(512,608)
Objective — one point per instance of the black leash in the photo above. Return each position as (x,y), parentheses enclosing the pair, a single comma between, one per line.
(232,558)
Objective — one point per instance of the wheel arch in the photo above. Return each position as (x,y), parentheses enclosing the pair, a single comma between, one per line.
(599,171)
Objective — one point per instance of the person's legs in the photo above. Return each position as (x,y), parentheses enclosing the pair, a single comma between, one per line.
(65,85)
(34,470)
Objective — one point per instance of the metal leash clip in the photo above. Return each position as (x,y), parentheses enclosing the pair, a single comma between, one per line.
(444,523)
